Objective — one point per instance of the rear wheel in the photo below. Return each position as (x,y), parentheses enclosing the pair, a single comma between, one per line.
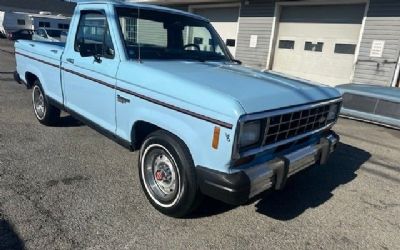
(167,174)
(46,113)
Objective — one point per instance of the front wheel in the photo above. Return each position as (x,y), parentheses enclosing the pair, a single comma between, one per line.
(167,174)
(44,111)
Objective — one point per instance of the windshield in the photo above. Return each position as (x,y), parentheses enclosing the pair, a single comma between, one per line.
(159,35)
(54,33)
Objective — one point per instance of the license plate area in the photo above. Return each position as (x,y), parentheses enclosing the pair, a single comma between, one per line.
(301,159)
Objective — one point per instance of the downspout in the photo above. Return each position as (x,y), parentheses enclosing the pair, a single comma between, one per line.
(396,78)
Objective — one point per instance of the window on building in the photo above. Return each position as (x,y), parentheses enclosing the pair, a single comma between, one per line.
(286,44)
(63,26)
(342,48)
(94,35)
(44,25)
(21,22)
(316,47)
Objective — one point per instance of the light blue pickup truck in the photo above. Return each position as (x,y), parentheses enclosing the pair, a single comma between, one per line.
(162,81)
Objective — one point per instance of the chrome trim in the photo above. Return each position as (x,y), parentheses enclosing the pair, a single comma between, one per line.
(261,176)
(302,158)
(272,173)
(264,148)
(266,114)
(263,115)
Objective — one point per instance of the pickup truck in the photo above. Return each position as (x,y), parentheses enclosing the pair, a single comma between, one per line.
(162,81)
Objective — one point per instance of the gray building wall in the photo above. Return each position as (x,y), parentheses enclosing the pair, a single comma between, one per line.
(256,18)
(382,23)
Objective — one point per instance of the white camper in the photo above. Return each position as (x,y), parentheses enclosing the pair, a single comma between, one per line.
(13,21)
(48,21)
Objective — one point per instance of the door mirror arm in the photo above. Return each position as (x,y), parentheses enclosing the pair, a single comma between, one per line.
(97,58)
(237,61)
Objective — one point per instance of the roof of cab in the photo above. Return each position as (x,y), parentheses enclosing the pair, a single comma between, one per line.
(141,6)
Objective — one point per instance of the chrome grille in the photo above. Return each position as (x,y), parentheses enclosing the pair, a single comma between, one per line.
(288,125)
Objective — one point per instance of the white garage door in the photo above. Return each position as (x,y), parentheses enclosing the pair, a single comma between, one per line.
(318,43)
(224,20)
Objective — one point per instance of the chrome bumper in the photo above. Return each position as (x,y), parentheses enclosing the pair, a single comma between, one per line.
(274,173)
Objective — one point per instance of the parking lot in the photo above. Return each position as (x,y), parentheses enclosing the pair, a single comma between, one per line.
(68,187)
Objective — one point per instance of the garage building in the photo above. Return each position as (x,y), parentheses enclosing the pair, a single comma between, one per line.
(328,41)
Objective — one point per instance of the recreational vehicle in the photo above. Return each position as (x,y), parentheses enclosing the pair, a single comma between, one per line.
(13,21)
(48,21)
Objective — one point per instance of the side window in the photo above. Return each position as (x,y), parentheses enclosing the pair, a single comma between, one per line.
(63,26)
(93,36)
(44,24)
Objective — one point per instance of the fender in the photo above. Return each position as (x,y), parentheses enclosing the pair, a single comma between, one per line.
(172,124)
(32,68)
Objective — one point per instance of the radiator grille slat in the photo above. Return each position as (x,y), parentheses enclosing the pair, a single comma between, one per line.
(288,125)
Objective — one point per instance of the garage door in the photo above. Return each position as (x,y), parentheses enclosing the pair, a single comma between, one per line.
(225,21)
(318,43)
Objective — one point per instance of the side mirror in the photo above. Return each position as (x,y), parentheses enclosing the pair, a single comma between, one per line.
(86,50)
(230,42)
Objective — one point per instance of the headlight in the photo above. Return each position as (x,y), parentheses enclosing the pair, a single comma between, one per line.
(250,133)
(333,109)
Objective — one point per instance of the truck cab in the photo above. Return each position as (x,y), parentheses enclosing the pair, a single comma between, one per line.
(163,82)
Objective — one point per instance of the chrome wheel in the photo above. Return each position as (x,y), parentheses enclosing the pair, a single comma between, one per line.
(38,102)
(160,175)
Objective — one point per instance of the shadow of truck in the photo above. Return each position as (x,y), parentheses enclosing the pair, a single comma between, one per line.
(309,188)
(9,239)
(313,186)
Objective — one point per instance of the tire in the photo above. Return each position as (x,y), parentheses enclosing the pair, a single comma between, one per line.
(46,113)
(167,175)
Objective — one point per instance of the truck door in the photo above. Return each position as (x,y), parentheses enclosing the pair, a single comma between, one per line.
(89,68)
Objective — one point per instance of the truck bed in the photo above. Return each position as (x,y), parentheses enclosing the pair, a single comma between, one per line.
(51,50)
(42,59)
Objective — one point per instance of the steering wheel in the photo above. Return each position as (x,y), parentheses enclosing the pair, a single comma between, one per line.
(191,45)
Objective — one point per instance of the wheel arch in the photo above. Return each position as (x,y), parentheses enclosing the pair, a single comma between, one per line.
(142,128)
(30,79)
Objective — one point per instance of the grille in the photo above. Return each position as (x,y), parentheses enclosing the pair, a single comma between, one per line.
(289,125)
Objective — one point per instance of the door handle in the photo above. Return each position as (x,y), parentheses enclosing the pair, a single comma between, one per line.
(70,60)
(54,51)
(123,100)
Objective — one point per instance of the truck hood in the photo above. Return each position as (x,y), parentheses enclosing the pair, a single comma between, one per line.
(254,90)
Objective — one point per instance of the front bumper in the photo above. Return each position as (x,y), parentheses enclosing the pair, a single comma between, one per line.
(237,188)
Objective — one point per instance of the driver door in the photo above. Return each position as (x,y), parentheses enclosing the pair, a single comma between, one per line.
(89,68)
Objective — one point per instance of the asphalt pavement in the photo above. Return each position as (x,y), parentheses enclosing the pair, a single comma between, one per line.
(69,187)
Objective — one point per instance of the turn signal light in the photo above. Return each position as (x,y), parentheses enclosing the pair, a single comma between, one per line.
(215,141)
(244,160)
